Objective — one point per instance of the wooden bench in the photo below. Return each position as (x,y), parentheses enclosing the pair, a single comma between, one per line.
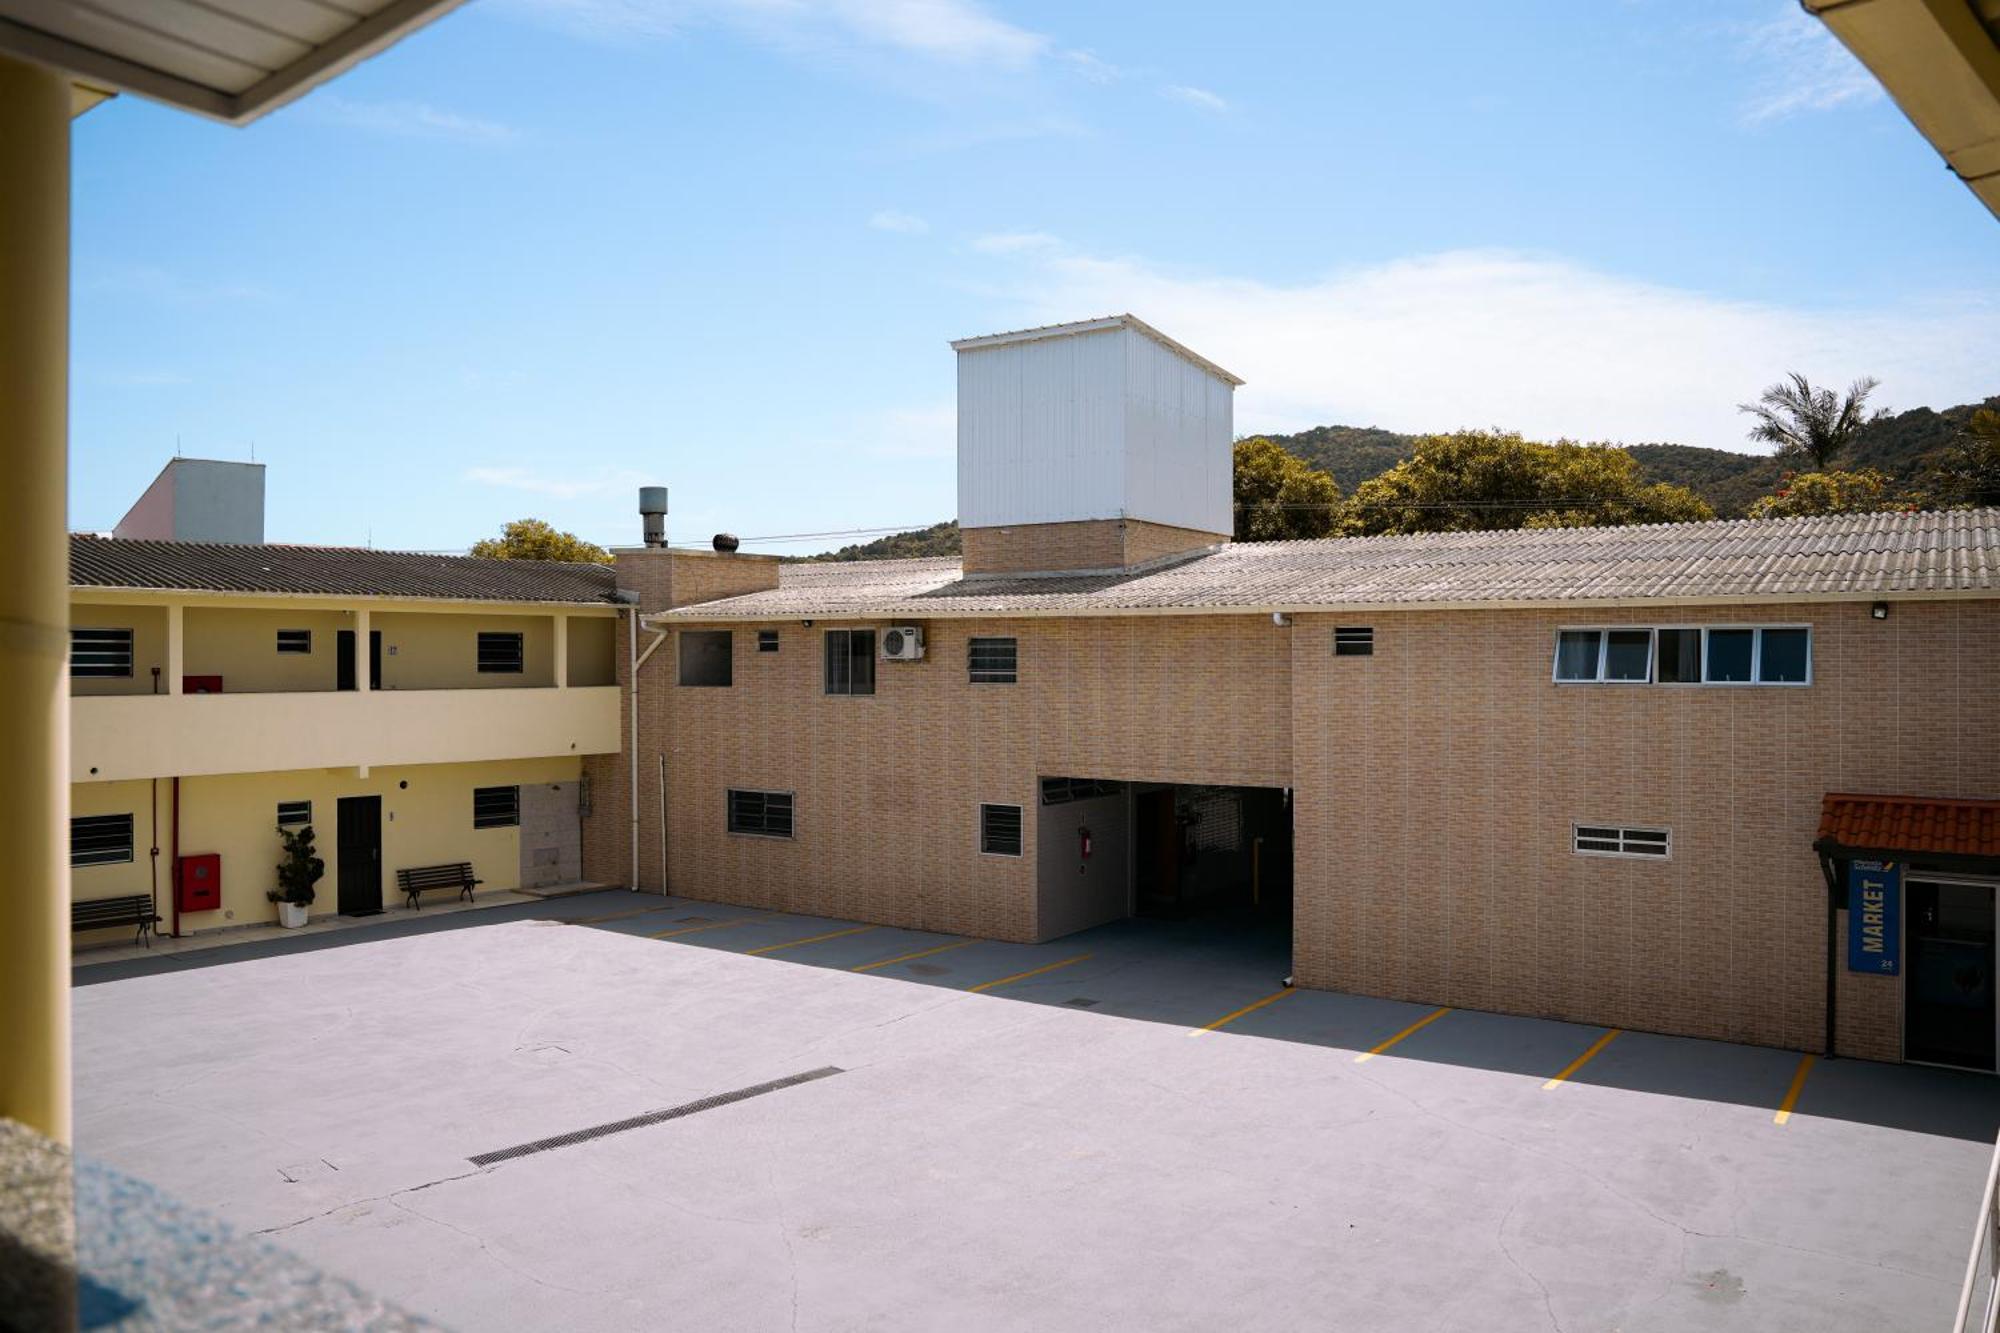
(421,879)
(99,913)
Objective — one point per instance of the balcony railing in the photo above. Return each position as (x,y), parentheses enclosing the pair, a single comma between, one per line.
(189,735)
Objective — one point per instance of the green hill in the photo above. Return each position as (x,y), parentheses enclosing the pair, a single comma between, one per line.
(1899,445)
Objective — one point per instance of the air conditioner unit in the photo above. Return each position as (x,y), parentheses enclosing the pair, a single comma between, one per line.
(902,643)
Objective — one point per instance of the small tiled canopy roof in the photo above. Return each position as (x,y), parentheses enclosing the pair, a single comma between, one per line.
(1915,825)
(102,562)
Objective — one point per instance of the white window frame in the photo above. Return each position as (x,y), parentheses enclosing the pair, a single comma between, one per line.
(296,823)
(1653,656)
(296,646)
(1624,838)
(979,828)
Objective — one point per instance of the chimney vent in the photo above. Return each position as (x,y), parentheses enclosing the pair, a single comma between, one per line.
(726,543)
(653,508)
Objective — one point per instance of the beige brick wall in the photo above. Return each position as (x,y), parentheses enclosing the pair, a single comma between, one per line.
(1438,779)
(1107,543)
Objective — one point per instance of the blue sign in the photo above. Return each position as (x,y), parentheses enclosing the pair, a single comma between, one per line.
(1875,917)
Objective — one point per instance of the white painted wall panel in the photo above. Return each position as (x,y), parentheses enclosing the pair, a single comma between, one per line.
(1105,424)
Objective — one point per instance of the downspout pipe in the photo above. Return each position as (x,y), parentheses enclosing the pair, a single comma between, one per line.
(174,869)
(632,745)
(1831,870)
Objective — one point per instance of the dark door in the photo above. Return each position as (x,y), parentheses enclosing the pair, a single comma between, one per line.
(1157,854)
(360,853)
(1948,994)
(344,677)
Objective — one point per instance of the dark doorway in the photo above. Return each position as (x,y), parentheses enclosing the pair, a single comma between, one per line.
(343,660)
(1213,851)
(360,851)
(1948,995)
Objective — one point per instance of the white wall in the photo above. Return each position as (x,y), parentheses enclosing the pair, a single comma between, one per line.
(1075,894)
(1105,424)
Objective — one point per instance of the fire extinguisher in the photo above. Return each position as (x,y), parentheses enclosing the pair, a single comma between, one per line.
(1082,847)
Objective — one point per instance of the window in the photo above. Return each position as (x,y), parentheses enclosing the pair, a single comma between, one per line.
(1061,791)
(767,641)
(500,651)
(1353,641)
(1000,830)
(1600,840)
(100,840)
(100,652)
(294,812)
(850,661)
(1604,655)
(496,807)
(992,661)
(1686,655)
(707,656)
(295,640)
(762,814)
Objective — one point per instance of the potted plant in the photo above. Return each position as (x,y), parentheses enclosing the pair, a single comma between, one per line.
(297,874)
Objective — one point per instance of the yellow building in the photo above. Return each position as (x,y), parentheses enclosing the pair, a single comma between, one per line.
(219,692)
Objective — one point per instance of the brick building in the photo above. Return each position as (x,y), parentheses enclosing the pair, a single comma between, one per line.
(1605,775)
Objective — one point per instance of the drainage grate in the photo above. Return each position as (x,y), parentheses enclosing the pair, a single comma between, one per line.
(651,1117)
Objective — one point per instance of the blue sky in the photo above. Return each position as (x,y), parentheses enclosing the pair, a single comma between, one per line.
(546,250)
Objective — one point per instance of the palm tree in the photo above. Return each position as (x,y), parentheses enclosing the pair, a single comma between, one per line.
(1804,422)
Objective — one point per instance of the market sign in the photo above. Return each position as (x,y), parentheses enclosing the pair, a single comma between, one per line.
(1874,917)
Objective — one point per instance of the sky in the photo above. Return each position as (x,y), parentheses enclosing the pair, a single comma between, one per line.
(545,251)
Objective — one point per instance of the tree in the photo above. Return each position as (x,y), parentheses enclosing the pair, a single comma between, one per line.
(1966,472)
(1473,481)
(1805,494)
(1279,496)
(1815,425)
(532,539)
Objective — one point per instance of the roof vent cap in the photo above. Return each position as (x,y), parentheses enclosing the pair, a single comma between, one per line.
(726,542)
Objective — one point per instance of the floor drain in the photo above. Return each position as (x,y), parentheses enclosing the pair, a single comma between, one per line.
(650,1118)
(1078,1002)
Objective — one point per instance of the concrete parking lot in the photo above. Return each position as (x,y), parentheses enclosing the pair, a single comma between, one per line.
(824,1125)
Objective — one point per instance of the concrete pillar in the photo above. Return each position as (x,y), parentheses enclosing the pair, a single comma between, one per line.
(176,648)
(562,652)
(34,596)
(364,652)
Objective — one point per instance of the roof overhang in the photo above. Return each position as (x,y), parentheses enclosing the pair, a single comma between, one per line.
(1940,61)
(1943,833)
(1081,326)
(229,60)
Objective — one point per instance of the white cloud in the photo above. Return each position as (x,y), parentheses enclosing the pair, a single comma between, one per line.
(1531,343)
(600,481)
(418,120)
(1016,242)
(1087,65)
(1801,67)
(1195,97)
(954,31)
(889,219)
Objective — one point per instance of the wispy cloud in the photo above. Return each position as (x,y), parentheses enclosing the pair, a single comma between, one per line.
(890,219)
(1087,65)
(1195,97)
(1016,242)
(418,120)
(1529,342)
(599,481)
(1801,67)
(954,31)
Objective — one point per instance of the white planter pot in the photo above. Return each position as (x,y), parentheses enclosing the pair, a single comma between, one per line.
(292,915)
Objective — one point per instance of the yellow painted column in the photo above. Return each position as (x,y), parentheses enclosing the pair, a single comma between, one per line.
(176,647)
(34,596)
(562,652)
(364,655)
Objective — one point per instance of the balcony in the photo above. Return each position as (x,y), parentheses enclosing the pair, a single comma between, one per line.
(189,735)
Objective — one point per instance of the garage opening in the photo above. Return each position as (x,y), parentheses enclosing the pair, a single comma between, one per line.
(1213,854)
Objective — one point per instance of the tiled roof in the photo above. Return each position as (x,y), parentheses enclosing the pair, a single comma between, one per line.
(103,562)
(1859,555)
(1912,824)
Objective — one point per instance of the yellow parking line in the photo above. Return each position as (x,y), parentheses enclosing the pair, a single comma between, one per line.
(1413,1028)
(1583,1059)
(906,957)
(712,925)
(1250,1008)
(1031,972)
(812,939)
(1792,1093)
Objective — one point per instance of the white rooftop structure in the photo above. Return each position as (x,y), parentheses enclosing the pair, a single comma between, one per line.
(1098,419)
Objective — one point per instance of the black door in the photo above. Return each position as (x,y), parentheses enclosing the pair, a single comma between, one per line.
(344,677)
(360,853)
(1948,995)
